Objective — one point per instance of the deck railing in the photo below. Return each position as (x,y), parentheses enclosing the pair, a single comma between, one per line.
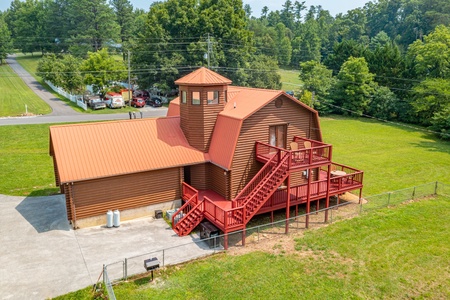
(188,191)
(304,156)
(225,218)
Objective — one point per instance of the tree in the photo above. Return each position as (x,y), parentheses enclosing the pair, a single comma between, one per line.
(431,99)
(263,73)
(92,26)
(6,46)
(50,68)
(63,71)
(123,11)
(100,68)
(26,23)
(318,81)
(383,104)
(355,86)
(341,53)
(431,58)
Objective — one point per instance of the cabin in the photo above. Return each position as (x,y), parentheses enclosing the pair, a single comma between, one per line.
(223,153)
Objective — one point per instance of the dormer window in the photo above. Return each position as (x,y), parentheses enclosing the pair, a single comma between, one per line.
(196,98)
(183,97)
(213,97)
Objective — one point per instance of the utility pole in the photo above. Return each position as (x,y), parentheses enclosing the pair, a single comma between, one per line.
(129,79)
(209,52)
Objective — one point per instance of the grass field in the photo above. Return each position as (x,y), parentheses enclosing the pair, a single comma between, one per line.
(16,94)
(392,157)
(290,80)
(399,252)
(26,167)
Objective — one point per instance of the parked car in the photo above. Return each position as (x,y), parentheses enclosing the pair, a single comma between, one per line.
(141,94)
(96,103)
(154,101)
(114,100)
(138,102)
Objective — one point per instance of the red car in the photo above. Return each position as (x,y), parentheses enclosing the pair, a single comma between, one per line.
(138,102)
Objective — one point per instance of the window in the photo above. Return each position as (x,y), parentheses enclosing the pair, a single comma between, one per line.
(196,98)
(213,97)
(277,136)
(183,97)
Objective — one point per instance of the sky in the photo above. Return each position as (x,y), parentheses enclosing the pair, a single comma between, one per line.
(334,6)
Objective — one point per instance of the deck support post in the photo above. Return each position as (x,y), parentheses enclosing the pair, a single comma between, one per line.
(225,241)
(288,201)
(308,199)
(327,197)
(360,196)
(271,217)
(243,237)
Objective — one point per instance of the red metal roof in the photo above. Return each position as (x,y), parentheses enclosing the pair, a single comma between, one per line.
(174,108)
(224,140)
(203,77)
(94,150)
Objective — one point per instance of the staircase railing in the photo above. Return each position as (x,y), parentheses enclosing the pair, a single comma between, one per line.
(266,169)
(189,224)
(282,166)
(186,207)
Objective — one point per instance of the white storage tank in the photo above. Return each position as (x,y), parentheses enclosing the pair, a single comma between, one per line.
(109,219)
(116,219)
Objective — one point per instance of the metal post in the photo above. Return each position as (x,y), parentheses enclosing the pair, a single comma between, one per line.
(331,215)
(125,269)
(435,188)
(389,198)
(104,276)
(257,230)
(163,258)
(129,79)
(414,193)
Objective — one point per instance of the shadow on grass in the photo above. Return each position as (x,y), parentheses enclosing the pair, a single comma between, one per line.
(45,213)
(44,192)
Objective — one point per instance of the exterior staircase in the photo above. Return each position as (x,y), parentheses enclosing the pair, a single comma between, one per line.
(188,216)
(275,173)
(252,197)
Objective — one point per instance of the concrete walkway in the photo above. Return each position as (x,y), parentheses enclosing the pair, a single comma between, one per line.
(41,257)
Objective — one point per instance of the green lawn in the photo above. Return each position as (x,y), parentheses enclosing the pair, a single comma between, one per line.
(16,95)
(290,80)
(26,167)
(392,157)
(399,252)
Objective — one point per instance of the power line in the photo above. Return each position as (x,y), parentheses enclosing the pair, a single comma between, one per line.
(383,120)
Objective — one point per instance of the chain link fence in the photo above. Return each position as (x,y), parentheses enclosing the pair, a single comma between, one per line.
(256,233)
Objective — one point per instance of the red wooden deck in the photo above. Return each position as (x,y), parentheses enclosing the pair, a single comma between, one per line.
(264,194)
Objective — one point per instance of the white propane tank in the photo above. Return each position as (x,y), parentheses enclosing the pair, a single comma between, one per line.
(109,219)
(116,218)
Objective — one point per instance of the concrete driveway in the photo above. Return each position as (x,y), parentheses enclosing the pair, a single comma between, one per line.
(42,257)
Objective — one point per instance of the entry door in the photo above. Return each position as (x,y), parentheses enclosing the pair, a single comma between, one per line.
(277,136)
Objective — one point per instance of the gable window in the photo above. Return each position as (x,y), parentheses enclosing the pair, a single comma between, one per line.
(183,97)
(196,98)
(213,97)
(277,136)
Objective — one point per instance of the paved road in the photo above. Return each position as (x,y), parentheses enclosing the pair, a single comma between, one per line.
(61,111)
(42,257)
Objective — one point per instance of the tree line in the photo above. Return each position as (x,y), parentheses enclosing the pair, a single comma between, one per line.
(388,59)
